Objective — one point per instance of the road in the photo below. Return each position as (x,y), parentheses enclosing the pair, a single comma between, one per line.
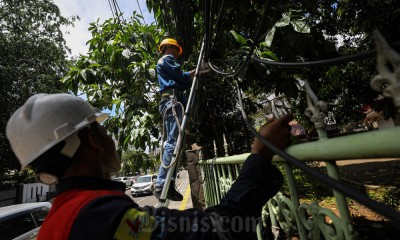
(372,172)
(183,186)
(145,200)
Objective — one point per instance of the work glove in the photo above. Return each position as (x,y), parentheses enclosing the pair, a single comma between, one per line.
(204,68)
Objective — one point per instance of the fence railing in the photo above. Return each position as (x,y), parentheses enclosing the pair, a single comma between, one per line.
(288,214)
(309,220)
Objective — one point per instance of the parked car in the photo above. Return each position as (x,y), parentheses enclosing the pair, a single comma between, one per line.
(22,221)
(126,180)
(144,184)
(133,179)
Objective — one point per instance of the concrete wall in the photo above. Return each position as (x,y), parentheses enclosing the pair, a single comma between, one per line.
(33,192)
(8,197)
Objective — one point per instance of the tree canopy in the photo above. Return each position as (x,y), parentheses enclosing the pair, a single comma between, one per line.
(118,73)
(241,37)
(137,161)
(285,31)
(118,68)
(32,59)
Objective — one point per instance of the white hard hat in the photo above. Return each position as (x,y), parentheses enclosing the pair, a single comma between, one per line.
(47,119)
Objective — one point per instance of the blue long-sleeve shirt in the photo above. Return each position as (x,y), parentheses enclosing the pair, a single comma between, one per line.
(170,75)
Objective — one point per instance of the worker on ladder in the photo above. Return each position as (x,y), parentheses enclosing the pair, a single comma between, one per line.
(172,81)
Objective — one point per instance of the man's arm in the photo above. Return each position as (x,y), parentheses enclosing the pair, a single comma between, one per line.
(275,131)
(172,68)
(258,181)
(235,217)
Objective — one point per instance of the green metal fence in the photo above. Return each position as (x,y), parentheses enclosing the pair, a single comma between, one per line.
(306,220)
(309,220)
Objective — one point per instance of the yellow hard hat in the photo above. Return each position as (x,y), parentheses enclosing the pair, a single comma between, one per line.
(170,41)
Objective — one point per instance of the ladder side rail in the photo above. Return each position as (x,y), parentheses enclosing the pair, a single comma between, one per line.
(193,90)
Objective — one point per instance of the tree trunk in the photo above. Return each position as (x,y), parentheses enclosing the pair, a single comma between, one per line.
(195,180)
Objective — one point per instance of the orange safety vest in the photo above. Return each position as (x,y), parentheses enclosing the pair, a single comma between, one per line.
(66,207)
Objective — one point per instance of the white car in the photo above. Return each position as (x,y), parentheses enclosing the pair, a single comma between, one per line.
(22,221)
(126,180)
(144,184)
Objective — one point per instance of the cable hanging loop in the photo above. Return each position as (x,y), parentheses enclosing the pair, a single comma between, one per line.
(337,185)
(175,103)
(238,69)
(325,62)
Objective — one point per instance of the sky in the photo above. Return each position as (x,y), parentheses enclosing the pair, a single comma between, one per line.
(89,11)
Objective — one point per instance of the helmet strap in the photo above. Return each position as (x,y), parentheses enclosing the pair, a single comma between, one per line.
(72,143)
(47,178)
(52,164)
(163,49)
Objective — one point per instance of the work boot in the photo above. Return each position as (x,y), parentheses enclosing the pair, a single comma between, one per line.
(172,194)
(157,192)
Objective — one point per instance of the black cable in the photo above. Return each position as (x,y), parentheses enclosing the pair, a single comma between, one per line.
(115,9)
(122,16)
(289,49)
(165,15)
(207,29)
(220,72)
(326,62)
(112,10)
(236,71)
(217,29)
(273,17)
(337,185)
(140,9)
(188,29)
(116,12)
(210,28)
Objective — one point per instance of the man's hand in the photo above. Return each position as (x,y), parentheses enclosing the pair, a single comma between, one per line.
(192,73)
(275,131)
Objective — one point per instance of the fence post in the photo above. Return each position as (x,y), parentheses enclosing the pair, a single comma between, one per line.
(20,193)
(316,111)
(195,179)
(295,199)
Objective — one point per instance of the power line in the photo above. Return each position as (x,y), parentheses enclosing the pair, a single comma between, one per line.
(335,184)
(116,8)
(326,62)
(141,12)
(112,10)
(240,67)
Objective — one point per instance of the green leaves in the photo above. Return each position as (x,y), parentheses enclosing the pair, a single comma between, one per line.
(292,31)
(295,19)
(269,54)
(115,72)
(32,60)
(239,38)
(136,161)
(301,25)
